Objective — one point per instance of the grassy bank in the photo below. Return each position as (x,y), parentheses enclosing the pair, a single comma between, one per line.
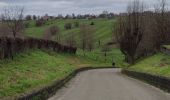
(34,69)
(158,64)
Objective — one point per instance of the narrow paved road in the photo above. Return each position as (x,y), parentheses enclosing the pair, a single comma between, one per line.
(108,84)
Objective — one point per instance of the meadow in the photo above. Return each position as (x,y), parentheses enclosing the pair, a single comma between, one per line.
(103,28)
(103,34)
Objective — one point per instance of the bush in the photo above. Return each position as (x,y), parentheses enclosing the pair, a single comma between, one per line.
(87,37)
(28,17)
(26,25)
(76,24)
(54,30)
(92,23)
(51,32)
(70,40)
(68,26)
(106,48)
(40,22)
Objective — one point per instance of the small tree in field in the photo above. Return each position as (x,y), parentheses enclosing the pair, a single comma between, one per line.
(76,24)
(28,17)
(52,33)
(34,17)
(87,34)
(13,19)
(92,23)
(68,26)
(70,40)
(39,22)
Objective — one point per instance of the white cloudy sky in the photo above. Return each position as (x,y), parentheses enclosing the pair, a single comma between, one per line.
(55,7)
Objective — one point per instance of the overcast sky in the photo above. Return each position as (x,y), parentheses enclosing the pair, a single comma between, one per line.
(55,7)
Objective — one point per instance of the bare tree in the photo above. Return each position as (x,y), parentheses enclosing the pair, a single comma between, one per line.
(162,23)
(129,30)
(52,33)
(70,40)
(13,19)
(87,34)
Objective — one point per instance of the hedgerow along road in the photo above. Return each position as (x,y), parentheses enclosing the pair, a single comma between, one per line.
(108,84)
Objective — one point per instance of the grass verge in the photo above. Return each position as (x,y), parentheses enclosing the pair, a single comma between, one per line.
(158,64)
(35,69)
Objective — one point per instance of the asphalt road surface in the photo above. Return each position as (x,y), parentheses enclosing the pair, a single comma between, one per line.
(108,84)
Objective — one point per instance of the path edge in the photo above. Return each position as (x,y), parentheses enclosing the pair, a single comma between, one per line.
(160,82)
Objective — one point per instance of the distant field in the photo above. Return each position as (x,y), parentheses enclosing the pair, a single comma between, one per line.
(35,68)
(103,33)
(103,28)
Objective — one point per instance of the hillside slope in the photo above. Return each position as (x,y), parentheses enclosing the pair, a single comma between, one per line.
(103,28)
(34,69)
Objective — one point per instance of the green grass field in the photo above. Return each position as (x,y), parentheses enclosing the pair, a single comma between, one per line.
(35,69)
(158,64)
(114,55)
(103,28)
(103,33)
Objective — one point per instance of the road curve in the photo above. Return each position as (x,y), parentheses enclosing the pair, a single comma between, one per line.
(108,84)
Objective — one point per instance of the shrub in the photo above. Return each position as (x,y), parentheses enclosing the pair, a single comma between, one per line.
(76,24)
(54,30)
(28,17)
(68,26)
(40,22)
(26,25)
(34,17)
(51,32)
(87,37)
(92,23)
(70,40)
